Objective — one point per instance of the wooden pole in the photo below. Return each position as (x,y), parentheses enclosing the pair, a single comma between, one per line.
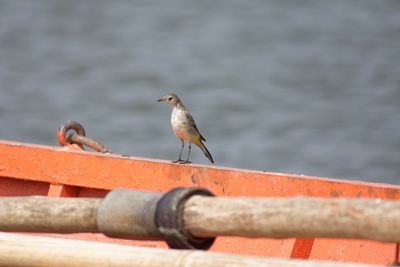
(43,214)
(34,251)
(374,219)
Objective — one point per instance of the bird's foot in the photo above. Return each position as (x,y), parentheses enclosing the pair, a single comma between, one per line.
(181,161)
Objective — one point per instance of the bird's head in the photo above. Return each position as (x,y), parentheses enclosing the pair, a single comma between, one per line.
(171,99)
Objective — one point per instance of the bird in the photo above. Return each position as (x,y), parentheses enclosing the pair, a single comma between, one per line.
(184,127)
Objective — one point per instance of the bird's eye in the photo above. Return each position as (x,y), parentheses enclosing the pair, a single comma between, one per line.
(170,98)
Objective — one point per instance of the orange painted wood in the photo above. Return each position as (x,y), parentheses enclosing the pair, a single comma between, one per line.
(302,248)
(63,191)
(11,187)
(350,250)
(27,169)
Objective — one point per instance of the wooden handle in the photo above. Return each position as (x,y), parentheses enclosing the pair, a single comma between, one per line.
(33,251)
(43,214)
(294,217)
(372,219)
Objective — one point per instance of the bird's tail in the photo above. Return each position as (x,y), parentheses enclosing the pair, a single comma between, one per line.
(205,150)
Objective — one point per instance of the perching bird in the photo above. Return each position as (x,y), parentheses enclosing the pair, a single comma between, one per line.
(184,127)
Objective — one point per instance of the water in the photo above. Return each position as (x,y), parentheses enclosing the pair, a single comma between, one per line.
(309,87)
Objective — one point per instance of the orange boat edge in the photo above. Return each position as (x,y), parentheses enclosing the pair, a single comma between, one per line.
(28,169)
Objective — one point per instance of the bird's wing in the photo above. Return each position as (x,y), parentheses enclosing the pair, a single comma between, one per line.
(192,124)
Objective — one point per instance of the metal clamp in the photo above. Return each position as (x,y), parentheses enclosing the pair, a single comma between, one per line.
(169,219)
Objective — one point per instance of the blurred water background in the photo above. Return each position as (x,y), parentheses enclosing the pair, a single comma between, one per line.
(303,86)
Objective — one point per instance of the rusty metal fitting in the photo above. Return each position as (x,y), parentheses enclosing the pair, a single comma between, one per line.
(79,137)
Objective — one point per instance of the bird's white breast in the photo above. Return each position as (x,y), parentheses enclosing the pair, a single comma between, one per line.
(180,124)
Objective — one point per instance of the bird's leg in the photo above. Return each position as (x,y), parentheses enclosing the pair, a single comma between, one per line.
(187,160)
(179,160)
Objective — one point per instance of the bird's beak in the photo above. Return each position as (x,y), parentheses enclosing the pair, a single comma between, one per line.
(159,100)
